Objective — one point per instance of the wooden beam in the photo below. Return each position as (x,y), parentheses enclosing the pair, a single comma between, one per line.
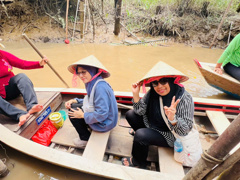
(96,146)
(218,120)
(167,164)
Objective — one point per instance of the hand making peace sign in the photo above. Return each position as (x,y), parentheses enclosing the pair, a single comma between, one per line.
(171,111)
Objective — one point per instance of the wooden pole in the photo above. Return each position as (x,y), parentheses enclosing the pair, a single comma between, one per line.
(231,173)
(92,18)
(40,54)
(67,19)
(117,17)
(220,25)
(230,161)
(219,149)
(102,7)
(82,14)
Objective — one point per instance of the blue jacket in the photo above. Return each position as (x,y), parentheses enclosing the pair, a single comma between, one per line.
(105,116)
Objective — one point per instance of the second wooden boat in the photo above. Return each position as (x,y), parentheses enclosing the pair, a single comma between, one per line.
(224,82)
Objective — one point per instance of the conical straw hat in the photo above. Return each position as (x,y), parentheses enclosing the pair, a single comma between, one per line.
(162,69)
(89,61)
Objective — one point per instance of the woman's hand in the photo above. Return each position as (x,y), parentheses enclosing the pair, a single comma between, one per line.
(76,113)
(43,61)
(135,91)
(218,70)
(171,111)
(68,103)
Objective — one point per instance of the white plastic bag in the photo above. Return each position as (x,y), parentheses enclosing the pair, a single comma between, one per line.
(192,148)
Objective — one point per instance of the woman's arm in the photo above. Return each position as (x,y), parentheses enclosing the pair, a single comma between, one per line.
(20,63)
(184,116)
(140,107)
(233,46)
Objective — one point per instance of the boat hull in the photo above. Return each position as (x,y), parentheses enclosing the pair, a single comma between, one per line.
(224,83)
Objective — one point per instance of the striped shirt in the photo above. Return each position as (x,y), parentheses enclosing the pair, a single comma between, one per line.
(184,116)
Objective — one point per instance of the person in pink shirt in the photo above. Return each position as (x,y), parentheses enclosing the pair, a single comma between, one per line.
(11,86)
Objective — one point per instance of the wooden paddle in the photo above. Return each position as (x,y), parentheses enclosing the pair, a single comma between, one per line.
(66,40)
(40,54)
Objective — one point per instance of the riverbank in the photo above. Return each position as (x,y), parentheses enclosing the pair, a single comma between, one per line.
(46,23)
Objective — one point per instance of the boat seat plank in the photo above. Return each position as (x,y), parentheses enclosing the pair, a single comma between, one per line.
(167,164)
(96,145)
(218,120)
(220,123)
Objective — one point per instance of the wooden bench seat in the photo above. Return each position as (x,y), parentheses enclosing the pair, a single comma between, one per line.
(220,123)
(96,145)
(218,120)
(167,164)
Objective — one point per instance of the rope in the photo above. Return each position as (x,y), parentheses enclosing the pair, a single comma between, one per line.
(5,159)
(210,158)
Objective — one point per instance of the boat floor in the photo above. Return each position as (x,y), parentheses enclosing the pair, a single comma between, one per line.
(119,142)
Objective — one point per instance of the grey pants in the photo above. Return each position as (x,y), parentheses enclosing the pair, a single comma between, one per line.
(19,84)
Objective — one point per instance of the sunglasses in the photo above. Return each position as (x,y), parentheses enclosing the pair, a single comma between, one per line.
(162,81)
(82,72)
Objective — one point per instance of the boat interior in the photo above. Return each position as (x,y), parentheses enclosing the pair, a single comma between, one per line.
(112,146)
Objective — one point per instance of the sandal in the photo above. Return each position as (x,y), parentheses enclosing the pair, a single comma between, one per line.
(129,160)
(131,132)
(130,163)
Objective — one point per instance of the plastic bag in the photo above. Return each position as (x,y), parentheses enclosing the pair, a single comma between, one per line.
(45,133)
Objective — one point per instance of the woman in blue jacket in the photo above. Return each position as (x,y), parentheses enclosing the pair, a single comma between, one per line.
(98,110)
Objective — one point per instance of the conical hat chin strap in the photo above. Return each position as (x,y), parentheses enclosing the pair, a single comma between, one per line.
(99,72)
(176,81)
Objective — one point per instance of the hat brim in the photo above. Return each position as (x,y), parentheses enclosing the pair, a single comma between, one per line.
(89,61)
(182,79)
(161,70)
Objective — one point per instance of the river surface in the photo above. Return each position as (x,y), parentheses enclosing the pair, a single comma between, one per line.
(127,64)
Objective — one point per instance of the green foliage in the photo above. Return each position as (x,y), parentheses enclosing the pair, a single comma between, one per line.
(214,5)
(71,18)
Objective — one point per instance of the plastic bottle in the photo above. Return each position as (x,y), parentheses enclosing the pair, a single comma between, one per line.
(178,145)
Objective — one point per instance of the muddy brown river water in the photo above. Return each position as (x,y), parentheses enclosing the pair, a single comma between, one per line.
(127,64)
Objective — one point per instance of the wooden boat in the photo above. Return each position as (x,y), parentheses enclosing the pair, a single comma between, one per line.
(224,82)
(101,156)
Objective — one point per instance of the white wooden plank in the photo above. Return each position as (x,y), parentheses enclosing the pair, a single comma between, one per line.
(167,163)
(220,123)
(217,101)
(96,146)
(218,120)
